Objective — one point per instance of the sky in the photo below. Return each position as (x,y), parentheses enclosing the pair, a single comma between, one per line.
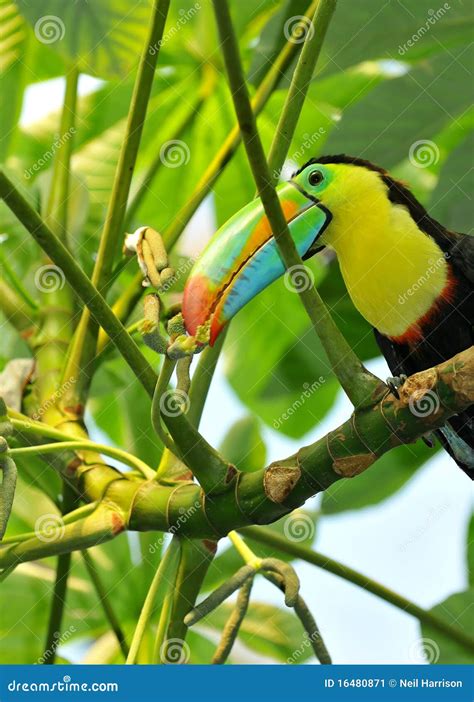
(414,542)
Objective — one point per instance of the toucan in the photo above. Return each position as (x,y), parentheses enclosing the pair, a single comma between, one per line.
(409,276)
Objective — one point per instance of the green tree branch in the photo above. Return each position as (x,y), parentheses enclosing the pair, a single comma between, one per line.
(85,340)
(80,283)
(360,385)
(281,545)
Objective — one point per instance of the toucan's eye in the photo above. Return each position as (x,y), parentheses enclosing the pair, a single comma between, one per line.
(315,178)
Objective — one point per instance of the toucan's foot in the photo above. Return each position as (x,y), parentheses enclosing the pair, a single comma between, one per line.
(394,383)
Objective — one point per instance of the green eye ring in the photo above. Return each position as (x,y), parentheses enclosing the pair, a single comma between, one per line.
(315,177)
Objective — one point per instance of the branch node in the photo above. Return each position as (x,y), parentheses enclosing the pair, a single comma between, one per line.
(279,481)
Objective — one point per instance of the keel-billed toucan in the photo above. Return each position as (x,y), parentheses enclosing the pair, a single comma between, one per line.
(411,278)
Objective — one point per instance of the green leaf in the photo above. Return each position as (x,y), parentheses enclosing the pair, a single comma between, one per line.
(374,30)
(386,124)
(283,376)
(438,648)
(450,201)
(243,445)
(391,472)
(272,38)
(110,410)
(23,61)
(105,38)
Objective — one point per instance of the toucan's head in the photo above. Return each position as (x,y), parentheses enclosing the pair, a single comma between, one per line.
(242,258)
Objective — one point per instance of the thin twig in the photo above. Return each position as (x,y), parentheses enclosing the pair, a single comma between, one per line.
(303,613)
(85,445)
(164,575)
(79,281)
(84,346)
(105,602)
(233,624)
(279,543)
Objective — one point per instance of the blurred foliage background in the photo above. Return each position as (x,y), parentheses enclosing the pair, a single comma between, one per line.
(394,80)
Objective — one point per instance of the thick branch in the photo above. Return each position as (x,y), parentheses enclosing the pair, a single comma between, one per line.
(264,496)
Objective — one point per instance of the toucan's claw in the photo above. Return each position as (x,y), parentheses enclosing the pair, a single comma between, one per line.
(394,383)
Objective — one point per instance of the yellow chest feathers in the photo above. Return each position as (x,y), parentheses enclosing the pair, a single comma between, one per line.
(393,271)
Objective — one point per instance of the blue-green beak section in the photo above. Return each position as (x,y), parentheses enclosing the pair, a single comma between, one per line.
(242,259)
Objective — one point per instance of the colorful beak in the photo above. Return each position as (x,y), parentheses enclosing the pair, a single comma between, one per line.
(242,259)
